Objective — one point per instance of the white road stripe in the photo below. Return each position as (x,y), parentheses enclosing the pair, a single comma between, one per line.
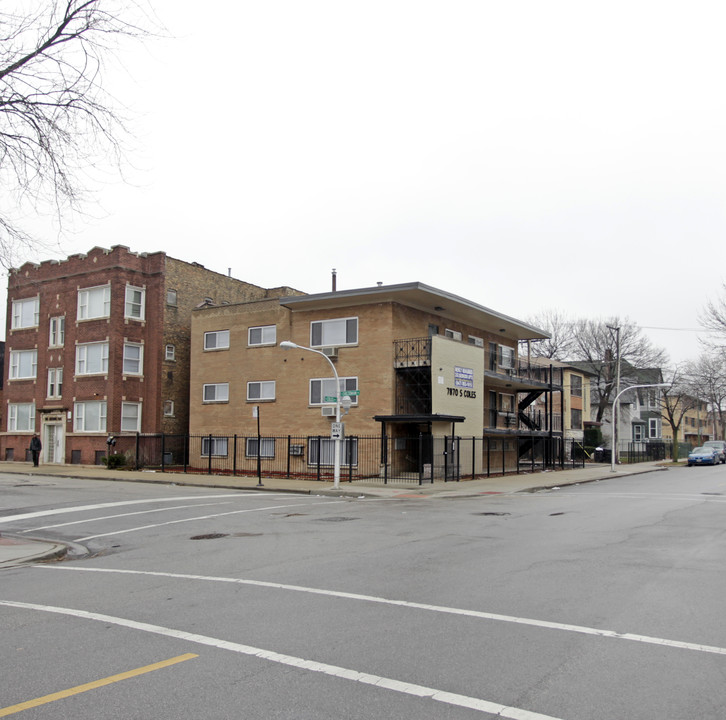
(581,629)
(421,691)
(119,515)
(206,517)
(99,506)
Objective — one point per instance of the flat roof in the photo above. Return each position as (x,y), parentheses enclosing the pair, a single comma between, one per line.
(421,297)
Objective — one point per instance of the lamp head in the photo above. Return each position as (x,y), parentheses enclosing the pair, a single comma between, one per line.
(287,345)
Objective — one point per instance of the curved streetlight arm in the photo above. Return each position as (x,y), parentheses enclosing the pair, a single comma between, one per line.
(289,345)
(615,429)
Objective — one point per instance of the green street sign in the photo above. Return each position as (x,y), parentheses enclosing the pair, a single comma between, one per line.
(330,398)
(350,393)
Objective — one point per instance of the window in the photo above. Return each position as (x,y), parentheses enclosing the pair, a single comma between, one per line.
(168,408)
(261,390)
(23,364)
(26,313)
(94,302)
(214,446)
(476,341)
(57,331)
(334,332)
(267,447)
(135,305)
(170,352)
(133,359)
(55,382)
(638,433)
(130,417)
(506,403)
(216,392)
(92,358)
(575,385)
(264,335)
(324,448)
(217,340)
(506,357)
(653,397)
(89,416)
(171,297)
(21,417)
(653,428)
(321,388)
(576,418)
(453,334)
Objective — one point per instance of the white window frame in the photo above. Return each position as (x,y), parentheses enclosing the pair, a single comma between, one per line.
(82,358)
(348,451)
(453,334)
(220,337)
(55,383)
(168,408)
(140,360)
(15,415)
(80,416)
(221,389)
(171,297)
(638,432)
(136,420)
(57,331)
(23,364)
(220,446)
(653,428)
(135,309)
(265,390)
(335,332)
(89,298)
(262,335)
(267,447)
(506,357)
(170,353)
(25,313)
(476,341)
(325,387)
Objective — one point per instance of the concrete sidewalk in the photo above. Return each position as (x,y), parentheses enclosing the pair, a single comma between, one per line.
(15,551)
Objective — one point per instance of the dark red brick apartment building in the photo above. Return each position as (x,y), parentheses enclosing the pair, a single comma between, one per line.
(98,345)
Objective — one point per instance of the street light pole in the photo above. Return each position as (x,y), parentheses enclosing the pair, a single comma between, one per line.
(288,345)
(617,397)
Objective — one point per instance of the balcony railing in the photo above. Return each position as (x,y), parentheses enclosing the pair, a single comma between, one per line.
(414,352)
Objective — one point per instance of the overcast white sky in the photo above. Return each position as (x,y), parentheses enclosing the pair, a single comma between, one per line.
(526,155)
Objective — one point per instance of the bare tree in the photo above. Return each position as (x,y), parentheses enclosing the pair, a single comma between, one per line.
(708,378)
(598,347)
(714,315)
(676,400)
(56,116)
(560,344)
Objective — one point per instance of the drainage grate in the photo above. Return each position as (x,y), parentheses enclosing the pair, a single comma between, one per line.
(209,536)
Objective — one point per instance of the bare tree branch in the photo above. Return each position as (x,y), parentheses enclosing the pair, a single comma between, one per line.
(56,116)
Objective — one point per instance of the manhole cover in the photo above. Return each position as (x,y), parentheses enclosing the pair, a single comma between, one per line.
(335,519)
(209,536)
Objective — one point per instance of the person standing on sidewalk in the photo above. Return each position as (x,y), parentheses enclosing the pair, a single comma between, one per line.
(35,448)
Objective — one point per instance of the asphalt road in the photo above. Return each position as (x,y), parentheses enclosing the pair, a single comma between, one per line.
(594,602)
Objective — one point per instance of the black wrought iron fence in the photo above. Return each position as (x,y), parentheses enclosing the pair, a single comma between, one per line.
(416,459)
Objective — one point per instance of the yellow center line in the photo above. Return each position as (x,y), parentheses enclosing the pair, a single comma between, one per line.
(4,712)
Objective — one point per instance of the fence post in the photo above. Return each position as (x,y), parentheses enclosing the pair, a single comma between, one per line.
(136,459)
(186,452)
(288,455)
(319,444)
(163,448)
(489,457)
(420,461)
(384,440)
(234,456)
(473,457)
(458,459)
(209,454)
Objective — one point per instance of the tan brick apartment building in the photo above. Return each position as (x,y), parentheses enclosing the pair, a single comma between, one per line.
(98,345)
(424,362)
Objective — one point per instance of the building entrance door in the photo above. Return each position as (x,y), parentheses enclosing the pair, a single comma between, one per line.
(53,443)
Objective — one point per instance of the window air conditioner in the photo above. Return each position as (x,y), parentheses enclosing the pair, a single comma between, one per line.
(331,352)
(328,412)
